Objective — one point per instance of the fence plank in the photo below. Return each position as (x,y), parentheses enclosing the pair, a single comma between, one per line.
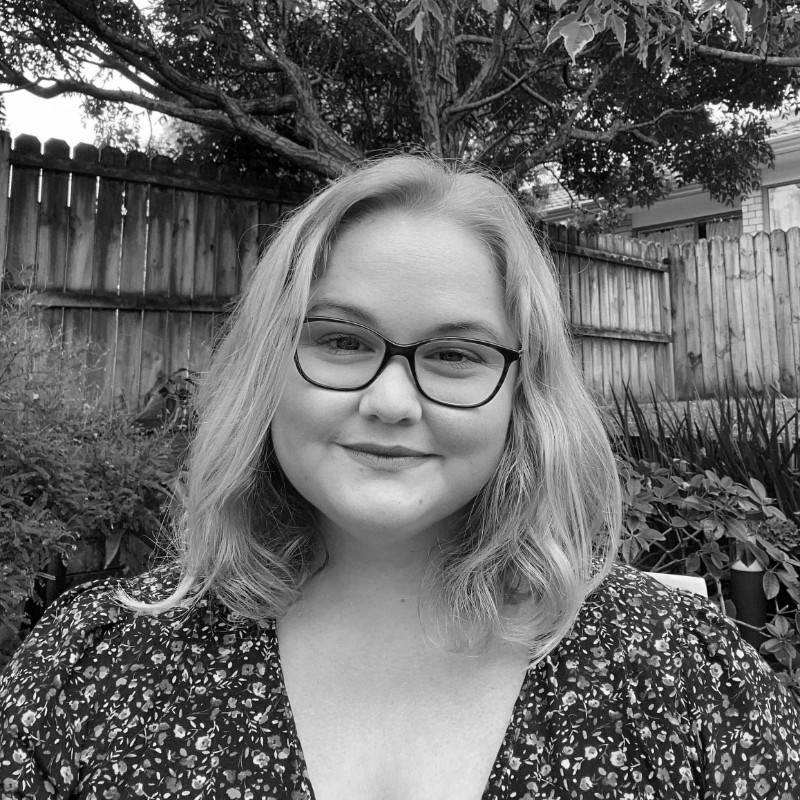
(766,308)
(77,339)
(103,326)
(134,230)
(201,341)
(694,353)
(23,217)
(206,246)
(737,354)
(160,227)
(180,328)
(229,231)
(793,259)
(750,311)
(635,374)
(606,287)
(664,310)
(51,247)
(82,216)
(783,312)
(108,225)
(705,305)
(127,364)
(5,178)
(677,274)
(155,351)
(184,244)
(721,329)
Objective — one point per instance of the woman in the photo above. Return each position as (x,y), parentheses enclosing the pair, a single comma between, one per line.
(393,576)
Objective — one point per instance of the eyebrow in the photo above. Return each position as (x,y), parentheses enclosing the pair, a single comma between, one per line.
(456,327)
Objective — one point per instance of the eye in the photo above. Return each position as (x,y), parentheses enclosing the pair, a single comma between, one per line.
(457,356)
(345,342)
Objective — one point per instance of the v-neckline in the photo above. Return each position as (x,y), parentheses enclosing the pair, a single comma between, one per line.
(501,759)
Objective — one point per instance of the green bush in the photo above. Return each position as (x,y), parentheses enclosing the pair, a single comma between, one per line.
(743,436)
(685,513)
(72,471)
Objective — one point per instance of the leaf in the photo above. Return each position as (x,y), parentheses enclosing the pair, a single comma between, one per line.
(618,27)
(555,32)
(758,15)
(417,25)
(737,15)
(406,11)
(771,584)
(758,487)
(112,542)
(435,11)
(576,36)
(490,6)
(706,7)
(557,4)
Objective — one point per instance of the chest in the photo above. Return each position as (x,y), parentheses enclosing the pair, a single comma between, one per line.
(410,729)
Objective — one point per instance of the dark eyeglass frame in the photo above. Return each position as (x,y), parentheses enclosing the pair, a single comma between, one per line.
(408,352)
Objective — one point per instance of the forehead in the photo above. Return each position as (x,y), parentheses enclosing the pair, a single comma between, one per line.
(412,273)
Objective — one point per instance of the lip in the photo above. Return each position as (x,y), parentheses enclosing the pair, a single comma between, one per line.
(380,458)
(385,450)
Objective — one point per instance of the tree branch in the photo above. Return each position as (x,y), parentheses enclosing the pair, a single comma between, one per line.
(461,109)
(748,58)
(387,34)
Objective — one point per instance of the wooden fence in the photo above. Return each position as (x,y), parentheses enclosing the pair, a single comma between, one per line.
(736,307)
(143,257)
(616,294)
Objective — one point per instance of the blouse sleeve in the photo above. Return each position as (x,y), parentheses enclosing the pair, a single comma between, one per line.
(38,757)
(746,721)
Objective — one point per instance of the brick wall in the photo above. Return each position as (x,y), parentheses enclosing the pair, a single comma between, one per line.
(753,213)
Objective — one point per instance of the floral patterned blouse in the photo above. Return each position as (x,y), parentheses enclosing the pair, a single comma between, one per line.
(653,694)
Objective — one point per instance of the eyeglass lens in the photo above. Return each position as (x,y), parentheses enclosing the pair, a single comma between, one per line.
(340,355)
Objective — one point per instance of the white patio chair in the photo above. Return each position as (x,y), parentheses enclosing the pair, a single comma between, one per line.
(690,582)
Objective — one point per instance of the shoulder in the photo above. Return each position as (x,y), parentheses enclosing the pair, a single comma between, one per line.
(675,638)
(635,603)
(79,620)
(88,631)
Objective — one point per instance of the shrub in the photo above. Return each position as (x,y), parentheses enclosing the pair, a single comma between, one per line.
(743,436)
(682,520)
(72,471)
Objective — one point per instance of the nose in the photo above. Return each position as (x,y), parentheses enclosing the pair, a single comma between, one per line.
(393,396)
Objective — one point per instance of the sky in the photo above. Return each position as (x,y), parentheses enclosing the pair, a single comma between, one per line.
(57,118)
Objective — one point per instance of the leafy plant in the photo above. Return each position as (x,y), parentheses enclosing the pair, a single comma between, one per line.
(682,520)
(71,471)
(742,436)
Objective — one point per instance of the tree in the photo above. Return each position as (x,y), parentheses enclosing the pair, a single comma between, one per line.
(619,96)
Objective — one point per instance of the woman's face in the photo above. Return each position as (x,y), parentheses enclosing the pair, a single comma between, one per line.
(408,277)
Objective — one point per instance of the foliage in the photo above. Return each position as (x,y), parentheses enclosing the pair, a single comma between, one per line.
(620,97)
(71,470)
(695,503)
(697,523)
(743,436)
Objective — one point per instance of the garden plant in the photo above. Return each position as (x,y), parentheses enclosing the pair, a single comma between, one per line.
(703,490)
(79,482)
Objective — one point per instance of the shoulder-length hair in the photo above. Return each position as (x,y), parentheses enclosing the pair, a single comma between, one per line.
(540,535)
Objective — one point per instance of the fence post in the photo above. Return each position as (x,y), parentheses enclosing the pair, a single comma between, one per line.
(5,164)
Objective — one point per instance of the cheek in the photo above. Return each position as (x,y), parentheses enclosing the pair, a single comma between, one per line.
(481,440)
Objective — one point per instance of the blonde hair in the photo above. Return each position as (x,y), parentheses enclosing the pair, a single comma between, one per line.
(545,526)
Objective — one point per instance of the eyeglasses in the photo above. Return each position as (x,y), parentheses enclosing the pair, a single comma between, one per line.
(347,356)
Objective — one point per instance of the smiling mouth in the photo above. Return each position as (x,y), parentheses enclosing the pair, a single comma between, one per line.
(382,460)
(388,452)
